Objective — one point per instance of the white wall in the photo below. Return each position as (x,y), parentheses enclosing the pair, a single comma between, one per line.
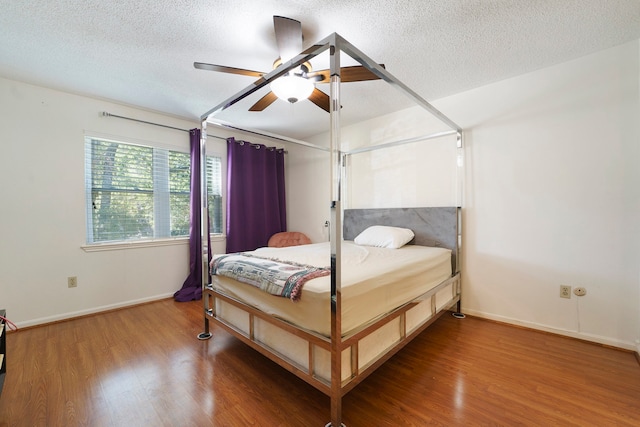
(421,173)
(552,197)
(43,206)
(426,170)
(43,209)
(308,191)
(551,194)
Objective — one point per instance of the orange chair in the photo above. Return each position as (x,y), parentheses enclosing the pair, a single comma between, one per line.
(288,238)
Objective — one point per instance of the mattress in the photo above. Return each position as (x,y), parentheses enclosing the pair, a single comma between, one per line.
(374,282)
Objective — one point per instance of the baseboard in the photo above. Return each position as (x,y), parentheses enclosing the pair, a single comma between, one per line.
(629,346)
(94,310)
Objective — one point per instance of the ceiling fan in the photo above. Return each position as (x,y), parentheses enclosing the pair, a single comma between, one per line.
(298,84)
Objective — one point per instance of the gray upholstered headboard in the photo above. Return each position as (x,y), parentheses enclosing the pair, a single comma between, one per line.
(434,226)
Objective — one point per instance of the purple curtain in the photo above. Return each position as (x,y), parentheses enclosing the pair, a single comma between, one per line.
(192,286)
(255,195)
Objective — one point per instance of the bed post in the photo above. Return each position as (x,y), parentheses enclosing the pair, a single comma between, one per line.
(459,200)
(335,239)
(458,314)
(336,320)
(204,226)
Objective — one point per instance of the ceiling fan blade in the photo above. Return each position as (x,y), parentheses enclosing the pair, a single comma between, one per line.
(231,70)
(356,73)
(264,102)
(320,98)
(288,37)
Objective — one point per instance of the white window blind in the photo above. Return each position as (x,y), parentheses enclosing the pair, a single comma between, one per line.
(214,193)
(136,192)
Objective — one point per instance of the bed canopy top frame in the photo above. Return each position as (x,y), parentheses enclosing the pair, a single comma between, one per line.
(334,44)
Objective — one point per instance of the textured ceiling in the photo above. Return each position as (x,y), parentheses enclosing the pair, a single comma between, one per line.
(142,52)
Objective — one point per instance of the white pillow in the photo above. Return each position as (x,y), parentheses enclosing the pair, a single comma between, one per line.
(384,237)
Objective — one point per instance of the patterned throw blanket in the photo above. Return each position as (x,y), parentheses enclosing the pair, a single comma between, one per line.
(272,276)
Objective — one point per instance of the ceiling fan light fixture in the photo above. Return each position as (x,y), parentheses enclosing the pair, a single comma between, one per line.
(292,88)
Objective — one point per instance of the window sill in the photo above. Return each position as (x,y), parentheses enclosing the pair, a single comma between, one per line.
(114,246)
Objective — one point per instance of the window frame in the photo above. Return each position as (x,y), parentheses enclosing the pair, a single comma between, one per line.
(148,241)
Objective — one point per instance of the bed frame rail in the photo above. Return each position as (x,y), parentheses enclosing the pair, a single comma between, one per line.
(352,342)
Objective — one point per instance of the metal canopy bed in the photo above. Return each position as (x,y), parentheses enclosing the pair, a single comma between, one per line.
(337,356)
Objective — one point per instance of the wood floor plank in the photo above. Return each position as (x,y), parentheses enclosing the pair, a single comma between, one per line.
(144,366)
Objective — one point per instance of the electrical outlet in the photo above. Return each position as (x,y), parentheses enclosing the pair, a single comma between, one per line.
(580,291)
(565,291)
(72,282)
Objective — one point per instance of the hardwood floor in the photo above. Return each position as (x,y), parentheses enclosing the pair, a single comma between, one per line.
(143,366)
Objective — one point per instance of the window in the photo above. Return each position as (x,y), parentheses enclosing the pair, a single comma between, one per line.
(214,193)
(136,192)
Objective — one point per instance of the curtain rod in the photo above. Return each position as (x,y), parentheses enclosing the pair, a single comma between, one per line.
(268,135)
(106,114)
